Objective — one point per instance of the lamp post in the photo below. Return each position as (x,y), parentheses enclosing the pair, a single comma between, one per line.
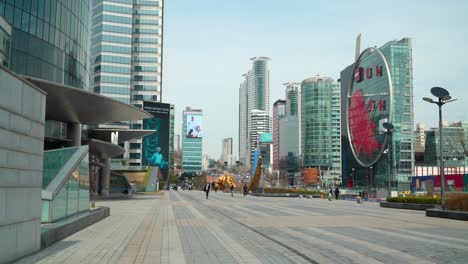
(371,178)
(389,129)
(444,97)
(354,180)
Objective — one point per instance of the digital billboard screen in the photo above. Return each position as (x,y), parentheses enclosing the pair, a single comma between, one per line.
(194,126)
(155,150)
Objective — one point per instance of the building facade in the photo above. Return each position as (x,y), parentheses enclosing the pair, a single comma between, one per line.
(5,42)
(177,143)
(455,147)
(192,128)
(260,123)
(254,93)
(419,138)
(126,57)
(227,150)
(320,133)
(59,30)
(293,99)
(279,111)
(398,55)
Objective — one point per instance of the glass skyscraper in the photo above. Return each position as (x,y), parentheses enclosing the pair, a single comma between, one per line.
(192,150)
(320,133)
(254,94)
(50,39)
(126,56)
(398,54)
(279,111)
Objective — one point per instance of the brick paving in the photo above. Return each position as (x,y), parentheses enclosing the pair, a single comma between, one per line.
(184,227)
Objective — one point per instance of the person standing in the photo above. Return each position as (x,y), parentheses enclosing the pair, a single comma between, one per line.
(207,189)
(246,189)
(330,194)
(337,193)
(232,190)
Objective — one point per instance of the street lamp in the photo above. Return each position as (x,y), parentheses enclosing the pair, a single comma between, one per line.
(389,129)
(354,180)
(444,97)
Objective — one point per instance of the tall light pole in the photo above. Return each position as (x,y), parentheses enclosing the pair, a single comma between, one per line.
(389,129)
(444,97)
(354,179)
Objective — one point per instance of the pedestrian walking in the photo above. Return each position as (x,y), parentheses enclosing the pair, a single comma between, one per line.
(207,189)
(330,194)
(246,189)
(337,193)
(232,190)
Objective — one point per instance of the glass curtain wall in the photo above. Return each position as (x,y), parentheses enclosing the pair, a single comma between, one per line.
(50,39)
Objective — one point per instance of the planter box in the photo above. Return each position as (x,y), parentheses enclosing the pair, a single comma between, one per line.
(275,194)
(457,215)
(310,196)
(410,206)
(54,232)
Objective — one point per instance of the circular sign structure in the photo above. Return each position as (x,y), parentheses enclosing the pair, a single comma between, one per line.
(368,106)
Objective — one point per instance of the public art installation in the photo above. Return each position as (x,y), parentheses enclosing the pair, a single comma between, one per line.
(225,181)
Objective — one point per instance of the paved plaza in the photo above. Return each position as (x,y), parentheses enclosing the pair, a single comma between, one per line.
(184,227)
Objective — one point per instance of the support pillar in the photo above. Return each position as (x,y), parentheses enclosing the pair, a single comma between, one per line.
(74,133)
(105,177)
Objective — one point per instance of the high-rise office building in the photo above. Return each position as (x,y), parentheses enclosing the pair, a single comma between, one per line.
(260,122)
(227,150)
(177,143)
(419,137)
(293,99)
(398,55)
(321,144)
(455,147)
(126,57)
(254,93)
(279,111)
(192,129)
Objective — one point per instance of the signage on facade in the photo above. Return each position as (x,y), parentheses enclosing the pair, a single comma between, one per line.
(369,100)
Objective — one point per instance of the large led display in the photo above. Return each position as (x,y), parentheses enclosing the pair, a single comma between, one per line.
(156,145)
(194,126)
(369,102)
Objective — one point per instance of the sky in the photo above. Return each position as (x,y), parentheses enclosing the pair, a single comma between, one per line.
(208,45)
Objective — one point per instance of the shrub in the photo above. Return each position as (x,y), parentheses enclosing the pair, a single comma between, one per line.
(414,199)
(457,202)
(278,190)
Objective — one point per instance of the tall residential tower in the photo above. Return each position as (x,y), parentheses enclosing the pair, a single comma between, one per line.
(254,94)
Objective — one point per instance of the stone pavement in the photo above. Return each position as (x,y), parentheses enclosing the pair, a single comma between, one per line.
(184,227)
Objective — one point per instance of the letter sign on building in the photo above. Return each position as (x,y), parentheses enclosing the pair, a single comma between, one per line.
(369,102)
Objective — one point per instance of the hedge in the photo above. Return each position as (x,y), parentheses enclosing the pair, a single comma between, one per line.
(414,200)
(457,202)
(277,190)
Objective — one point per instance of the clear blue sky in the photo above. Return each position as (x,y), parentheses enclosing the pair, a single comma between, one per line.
(208,44)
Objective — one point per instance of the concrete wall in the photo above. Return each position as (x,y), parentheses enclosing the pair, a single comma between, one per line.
(22,114)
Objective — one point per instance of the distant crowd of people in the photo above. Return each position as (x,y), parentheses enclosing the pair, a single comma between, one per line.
(209,186)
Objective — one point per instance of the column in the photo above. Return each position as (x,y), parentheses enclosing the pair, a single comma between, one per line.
(74,133)
(105,177)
